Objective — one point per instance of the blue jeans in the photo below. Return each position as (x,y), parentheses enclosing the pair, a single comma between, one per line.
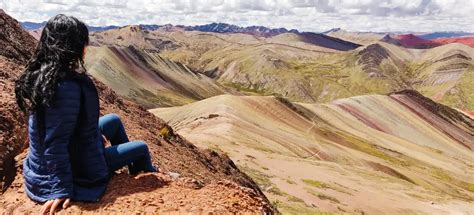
(123,152)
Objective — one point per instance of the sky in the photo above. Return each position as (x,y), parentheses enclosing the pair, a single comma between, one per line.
(304,15)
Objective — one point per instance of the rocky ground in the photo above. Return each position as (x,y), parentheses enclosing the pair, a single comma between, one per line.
(151,193)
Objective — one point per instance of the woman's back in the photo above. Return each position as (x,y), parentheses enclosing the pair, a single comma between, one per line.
(65,158)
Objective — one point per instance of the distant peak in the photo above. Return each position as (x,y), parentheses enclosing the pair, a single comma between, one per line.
(333,30)
(408,36)
(409,41)
(411,37)
(230,28)
(387,36)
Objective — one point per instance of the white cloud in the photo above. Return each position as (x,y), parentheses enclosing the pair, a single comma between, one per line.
(307,15)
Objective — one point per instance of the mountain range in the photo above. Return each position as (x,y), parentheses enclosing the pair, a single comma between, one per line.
(292,101)
(446,34)
(409,40)
(260,30)
(304,67)
(39,25)
(212,27)
(285,121)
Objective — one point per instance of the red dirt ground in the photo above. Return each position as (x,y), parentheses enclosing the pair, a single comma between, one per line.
(468,41)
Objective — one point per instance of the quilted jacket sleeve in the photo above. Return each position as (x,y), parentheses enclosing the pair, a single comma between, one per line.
(60,122)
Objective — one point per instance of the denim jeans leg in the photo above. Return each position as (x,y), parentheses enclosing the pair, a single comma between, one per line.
(112,128)
(135,153)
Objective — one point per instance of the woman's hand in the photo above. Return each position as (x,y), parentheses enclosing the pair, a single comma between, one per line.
(51,205)
(105,141)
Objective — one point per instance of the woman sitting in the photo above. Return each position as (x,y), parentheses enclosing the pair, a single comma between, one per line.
(67,159)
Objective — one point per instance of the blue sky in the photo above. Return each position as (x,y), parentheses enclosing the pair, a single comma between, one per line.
(306,15)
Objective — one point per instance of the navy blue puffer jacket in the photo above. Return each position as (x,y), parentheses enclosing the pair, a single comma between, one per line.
(66,155)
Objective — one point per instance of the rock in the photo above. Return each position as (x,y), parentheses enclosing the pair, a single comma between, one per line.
(174,175)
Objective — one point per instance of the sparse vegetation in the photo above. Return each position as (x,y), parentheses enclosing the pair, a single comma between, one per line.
(315,183)
(322,196)
(326,197)
(276,191)
(294,199)
(469,186)
(246,89)
(262,179)
(300,209)
(289,181)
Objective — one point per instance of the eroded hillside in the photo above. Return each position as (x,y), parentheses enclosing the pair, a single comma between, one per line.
(147,78)
(374,154)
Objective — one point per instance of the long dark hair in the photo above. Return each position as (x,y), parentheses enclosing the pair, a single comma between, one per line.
(59,54)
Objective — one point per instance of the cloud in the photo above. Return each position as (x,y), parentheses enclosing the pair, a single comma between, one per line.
(307,15)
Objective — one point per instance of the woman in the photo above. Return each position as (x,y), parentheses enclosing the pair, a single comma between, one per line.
(67,159)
